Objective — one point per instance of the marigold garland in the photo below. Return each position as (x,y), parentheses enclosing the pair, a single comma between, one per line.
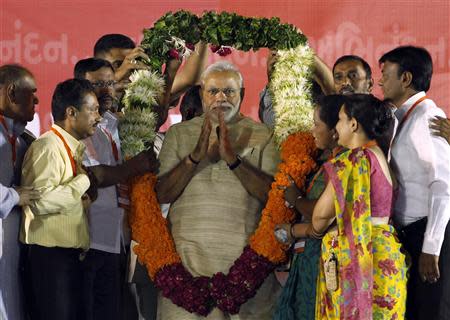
(292,104)
(157,251)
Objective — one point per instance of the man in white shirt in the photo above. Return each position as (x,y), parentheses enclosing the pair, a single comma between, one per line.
(17,101)
(108,228)
(421,162)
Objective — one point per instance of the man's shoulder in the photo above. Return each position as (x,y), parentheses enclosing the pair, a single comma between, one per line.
(46,141)
(429,110)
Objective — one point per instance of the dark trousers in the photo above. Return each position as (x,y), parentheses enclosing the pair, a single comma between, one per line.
(101,286)
(56,283)
(426,301)
(146,291)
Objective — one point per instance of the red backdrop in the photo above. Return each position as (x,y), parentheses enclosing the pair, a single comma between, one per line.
(49,37)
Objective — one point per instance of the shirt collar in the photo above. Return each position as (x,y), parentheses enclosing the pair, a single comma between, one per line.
(400,112)
(109,121)
(75,146)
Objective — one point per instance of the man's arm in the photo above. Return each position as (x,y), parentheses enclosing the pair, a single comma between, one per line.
(171,184)
(253,179)
(110,175)
(436,154)
(8,199)
(440,127)
(323,76)
(55,196)
(191,71)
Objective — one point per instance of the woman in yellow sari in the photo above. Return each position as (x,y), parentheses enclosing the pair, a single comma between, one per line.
(362,267)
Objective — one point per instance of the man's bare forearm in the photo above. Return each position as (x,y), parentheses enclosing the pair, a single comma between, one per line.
(111,175)
(171,185)
(254,180)
(323,76)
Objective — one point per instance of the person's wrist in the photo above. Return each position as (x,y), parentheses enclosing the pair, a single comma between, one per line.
(233,164)
(193,160)
(292,231)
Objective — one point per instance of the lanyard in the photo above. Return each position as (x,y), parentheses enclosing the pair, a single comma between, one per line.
(407,115)
(69,153)
(11,138)
(115,151)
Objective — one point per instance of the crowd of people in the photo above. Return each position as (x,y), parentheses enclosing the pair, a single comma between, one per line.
(370,239)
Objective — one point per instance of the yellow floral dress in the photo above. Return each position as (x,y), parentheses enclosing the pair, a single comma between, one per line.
(370,261)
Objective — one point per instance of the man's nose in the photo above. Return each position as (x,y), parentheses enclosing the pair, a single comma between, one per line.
(221,96)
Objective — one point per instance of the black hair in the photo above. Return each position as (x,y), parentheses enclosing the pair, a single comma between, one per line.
(69,93)
(90,65)
(364,63)
(111,41)
(412,59)
(329,107)
(191,104)
(374,115)
(10,73)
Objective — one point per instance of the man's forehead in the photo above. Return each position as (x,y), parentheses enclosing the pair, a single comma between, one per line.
(104,73)
(348,65)
(89,100)
(222,77)
(388,66)
(28,81)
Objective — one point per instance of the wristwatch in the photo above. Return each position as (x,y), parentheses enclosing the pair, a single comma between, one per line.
(235,164)
(282,235)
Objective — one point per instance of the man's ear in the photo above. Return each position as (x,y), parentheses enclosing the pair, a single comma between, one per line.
(11,93)
(370,85)
(406,78)
(242,93)
(71,112)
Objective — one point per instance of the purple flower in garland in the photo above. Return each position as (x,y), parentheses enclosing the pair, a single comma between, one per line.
(184,290)
(221,50)
(227,292)
(243,280)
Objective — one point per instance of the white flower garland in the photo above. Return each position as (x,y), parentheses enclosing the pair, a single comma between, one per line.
(137,127)
(290,87)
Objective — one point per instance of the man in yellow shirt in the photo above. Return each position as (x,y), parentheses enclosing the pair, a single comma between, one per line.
(56,226)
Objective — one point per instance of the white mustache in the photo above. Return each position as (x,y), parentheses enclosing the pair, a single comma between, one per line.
(225,104)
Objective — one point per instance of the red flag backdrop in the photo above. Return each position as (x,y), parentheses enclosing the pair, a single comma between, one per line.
(49,37)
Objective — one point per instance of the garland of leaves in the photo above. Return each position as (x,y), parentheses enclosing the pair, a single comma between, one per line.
(218,29)
(174,36)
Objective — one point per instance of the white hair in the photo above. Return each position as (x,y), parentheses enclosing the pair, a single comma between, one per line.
(222,66)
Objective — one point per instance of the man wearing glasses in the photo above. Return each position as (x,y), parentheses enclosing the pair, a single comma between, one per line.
(216,171)
(108,230)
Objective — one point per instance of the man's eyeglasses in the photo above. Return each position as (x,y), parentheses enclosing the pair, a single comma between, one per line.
(228,92)
(104,84)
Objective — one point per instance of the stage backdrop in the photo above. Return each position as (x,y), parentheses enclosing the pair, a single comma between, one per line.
(49,37)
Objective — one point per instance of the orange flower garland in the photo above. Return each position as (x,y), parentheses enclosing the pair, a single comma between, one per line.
(156,248)
(297,154)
